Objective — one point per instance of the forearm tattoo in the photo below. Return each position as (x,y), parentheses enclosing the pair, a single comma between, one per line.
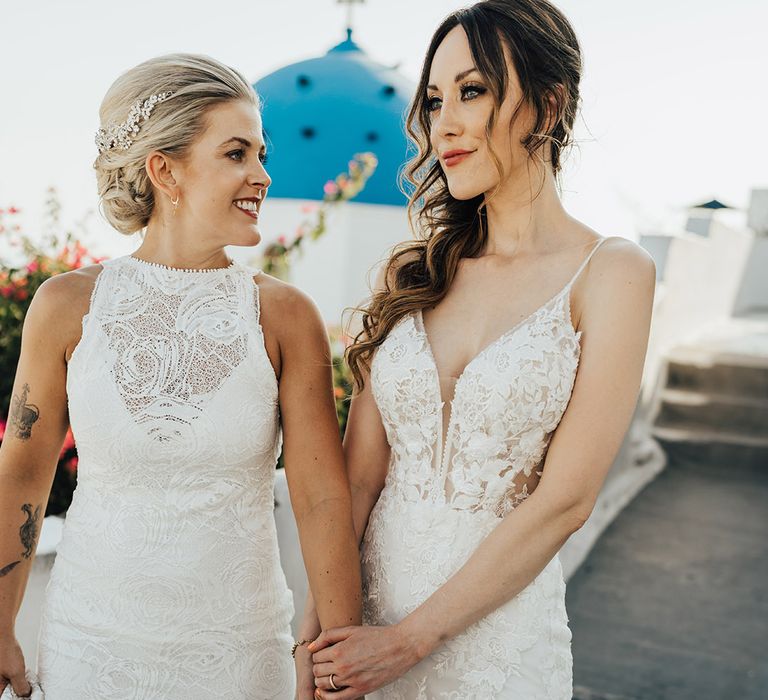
(28,531)
(7,569)
(28,536)
(23,415)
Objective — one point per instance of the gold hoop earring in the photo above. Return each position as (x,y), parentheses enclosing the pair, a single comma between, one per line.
(175,203)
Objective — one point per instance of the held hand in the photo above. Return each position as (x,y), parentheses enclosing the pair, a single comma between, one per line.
(305,680)
(361,659)
(12,667)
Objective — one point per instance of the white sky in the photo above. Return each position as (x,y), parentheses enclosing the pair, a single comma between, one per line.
(675,98)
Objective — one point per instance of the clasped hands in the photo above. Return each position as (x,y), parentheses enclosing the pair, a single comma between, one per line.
(361,659)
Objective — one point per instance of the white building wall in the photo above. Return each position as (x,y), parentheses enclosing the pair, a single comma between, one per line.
(336,269)
(752,298)
(702,277)
(657,244)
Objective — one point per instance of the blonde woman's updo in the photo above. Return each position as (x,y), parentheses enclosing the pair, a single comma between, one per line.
(197,83)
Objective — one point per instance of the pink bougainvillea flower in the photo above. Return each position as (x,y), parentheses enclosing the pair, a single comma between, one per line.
(281,240)
(13,210)
(330,188)
(71,465)
(2,429)
(22,294)
(33,266)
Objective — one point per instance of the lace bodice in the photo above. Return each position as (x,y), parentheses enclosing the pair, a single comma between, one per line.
(506,405)
(165,342)
(167,582)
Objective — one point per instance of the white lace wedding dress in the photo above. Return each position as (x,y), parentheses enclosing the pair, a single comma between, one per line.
(167,584)
(445,493)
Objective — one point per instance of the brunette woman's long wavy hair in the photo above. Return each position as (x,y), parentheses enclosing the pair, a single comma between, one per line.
(547,58)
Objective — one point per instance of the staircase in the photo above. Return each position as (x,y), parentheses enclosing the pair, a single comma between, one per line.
(713,409)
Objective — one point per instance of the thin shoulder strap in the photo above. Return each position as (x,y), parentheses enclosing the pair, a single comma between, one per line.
(586,260)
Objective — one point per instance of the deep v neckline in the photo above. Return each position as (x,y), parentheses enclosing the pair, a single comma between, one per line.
(444,434)
(486,348)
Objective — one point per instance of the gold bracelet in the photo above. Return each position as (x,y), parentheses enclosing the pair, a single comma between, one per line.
(296,645)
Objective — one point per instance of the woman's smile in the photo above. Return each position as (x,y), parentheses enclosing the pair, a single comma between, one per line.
(451,158)
(249,206)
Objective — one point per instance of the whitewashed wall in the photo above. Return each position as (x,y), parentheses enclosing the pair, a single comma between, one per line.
(334,270)
(752,297)
(701,281)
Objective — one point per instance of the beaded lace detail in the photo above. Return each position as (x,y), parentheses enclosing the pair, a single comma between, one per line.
(167,582)
(160,266)
(446,490)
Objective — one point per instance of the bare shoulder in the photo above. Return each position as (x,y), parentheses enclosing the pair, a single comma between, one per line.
(59,304)
(287,313)
(620,279)
(67,286)
(621,261)
(66,294)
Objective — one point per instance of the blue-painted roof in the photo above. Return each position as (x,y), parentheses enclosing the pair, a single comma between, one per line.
(319,113)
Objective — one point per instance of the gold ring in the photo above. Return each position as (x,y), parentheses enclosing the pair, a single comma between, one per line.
(330,680)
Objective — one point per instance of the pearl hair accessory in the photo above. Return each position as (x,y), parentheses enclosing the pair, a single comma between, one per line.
(121,135)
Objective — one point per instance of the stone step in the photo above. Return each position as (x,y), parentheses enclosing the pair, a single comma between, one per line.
(747,378)
(701,445)
(747,415)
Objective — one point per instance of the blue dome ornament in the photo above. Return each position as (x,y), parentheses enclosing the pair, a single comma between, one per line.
(320,112)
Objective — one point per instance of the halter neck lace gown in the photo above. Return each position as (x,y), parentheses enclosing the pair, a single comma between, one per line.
(167,584)
(444,493)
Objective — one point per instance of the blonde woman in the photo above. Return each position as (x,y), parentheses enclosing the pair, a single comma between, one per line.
(497,372)
(181,379)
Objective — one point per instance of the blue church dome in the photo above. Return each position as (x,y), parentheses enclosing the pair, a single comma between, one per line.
(320,112)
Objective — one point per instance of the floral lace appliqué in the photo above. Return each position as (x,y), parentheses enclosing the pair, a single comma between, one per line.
(448,488)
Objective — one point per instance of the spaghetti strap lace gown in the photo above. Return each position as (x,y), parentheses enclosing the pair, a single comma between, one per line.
(167,583)
(444,493)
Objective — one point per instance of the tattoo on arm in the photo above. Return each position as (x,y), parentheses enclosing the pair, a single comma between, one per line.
(23,415)
(28,531)
(7,569)
(28,534)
